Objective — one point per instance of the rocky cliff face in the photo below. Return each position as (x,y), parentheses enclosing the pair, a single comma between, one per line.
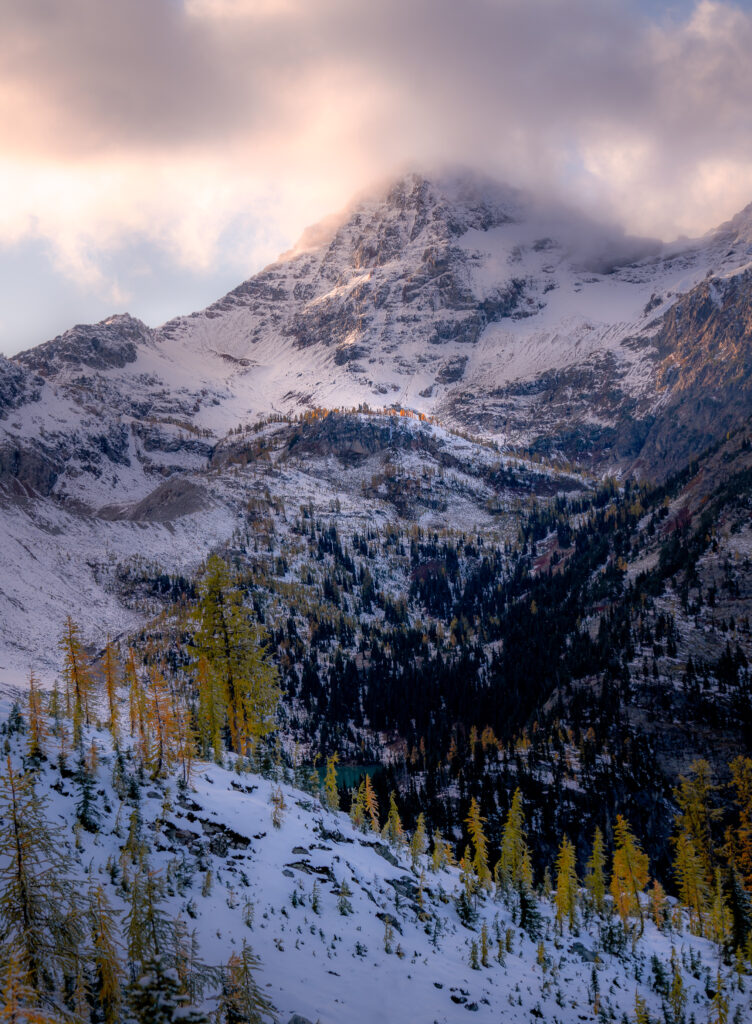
(705,372)
(17,386)
(109,344)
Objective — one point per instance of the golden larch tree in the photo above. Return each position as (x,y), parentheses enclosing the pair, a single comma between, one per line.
(629,876)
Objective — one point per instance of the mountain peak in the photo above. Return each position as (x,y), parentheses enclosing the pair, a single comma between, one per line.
(737,230)
(447,203)
(112,342)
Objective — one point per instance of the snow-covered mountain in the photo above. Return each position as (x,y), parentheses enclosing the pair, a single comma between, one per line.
(453,297)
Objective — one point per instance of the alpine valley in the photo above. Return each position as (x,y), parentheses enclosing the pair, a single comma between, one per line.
(466,479)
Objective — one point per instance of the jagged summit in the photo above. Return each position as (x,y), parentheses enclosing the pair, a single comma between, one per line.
(737,231)
(127,454)
(111,343)
(449,203)
(448,294)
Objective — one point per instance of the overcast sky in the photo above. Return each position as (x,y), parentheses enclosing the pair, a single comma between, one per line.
(153,153)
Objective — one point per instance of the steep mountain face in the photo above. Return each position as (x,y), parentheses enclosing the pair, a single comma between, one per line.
(705,345)
(455,297)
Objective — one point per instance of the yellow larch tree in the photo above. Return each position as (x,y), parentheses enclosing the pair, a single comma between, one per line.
(79,682)
(331,793)
(135,696)
(393,831)
(689,871)
(475,823)
(371,804)
(106,957)
(739,837)
(697,815)
(234,645)
(595,878)
(629,876)
(160,748)
(111,675)
(38,731)
(566,885)
(19,1000)
(515,865)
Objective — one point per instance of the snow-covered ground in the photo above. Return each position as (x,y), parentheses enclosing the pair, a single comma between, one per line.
(387,959)
(58,558)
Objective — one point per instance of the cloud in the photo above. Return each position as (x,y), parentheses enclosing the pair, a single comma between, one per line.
(173,121)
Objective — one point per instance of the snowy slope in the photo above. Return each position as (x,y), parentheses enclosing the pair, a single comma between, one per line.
(333,967)
(95,561)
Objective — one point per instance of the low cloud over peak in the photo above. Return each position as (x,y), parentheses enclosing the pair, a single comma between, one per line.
(214,129)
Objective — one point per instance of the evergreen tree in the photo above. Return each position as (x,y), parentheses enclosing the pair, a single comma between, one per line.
(157,997)
(86,809)
(566,885)
(595,879)
(79,683)
(233,645)
(344,906)
(40,920)
(629,875)
(740,906)
(530,919)
(474,823)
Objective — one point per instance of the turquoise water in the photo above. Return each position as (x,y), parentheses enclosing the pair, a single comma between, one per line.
(351,775)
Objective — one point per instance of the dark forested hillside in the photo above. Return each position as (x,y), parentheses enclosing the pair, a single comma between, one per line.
(586,643)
